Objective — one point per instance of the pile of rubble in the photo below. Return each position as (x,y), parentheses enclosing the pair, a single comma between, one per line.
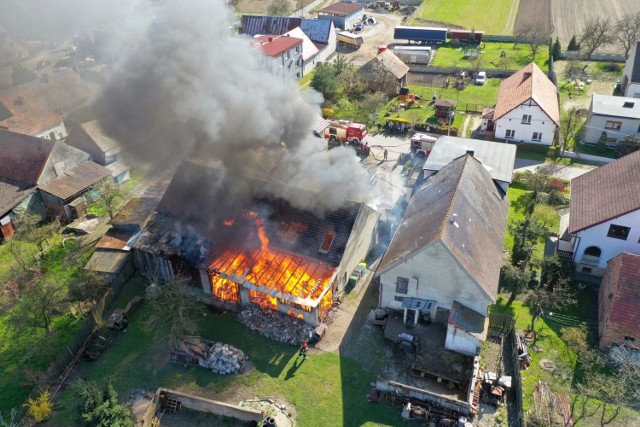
(224,359)
(275,325)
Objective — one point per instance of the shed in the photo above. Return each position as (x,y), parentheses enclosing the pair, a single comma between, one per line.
(444,107)
(343,15)
(117,266)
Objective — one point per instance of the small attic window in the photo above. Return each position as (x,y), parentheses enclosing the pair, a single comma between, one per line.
(628,104)
(326,242)
(289,231)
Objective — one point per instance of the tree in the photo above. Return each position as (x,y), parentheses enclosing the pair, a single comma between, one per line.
(373,102)
(109,196)
(597,33)
(279,8)
(32,229)
(477,62)
(324,81)
(601,145)
(353,86)
(546,298)
(39,303)
(575,338)
(571,122)
(87,287)
(627,31)
(573,45)
(534,36)
(556,50)
(628,145)
(526,233)
(100,406)
(556,269)
(384,79)
(545,215)
(512,279)
(12,421)
(40,408)
(173,312)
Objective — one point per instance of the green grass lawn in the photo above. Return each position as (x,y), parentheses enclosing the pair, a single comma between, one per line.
(326,389)
(490,16)
(451,55)
(471,97)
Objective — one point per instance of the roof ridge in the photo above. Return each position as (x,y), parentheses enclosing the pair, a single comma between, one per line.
(453,197)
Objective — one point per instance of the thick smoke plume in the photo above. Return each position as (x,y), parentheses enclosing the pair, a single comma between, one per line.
(187,87)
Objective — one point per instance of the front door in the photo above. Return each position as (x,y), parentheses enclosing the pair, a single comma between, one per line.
(442,315)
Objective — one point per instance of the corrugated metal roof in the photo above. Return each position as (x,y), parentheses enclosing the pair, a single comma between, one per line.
(76,180)
(468,320)
(114,239)
(497,158)
(317,30)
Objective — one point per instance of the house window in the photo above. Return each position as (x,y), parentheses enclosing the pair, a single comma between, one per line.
(628,104)
(333,131)
(613,125)
(510,133)
(618,232)
(537,136)
(526,119)
(402,285)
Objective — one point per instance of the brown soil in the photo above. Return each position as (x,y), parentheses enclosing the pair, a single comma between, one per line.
(570,16)
(536,12)
(374,36)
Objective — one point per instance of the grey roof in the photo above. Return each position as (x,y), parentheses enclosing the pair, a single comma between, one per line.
(107,261)
(317,30)
(607,105)
(496,157)
(464,188)
(12,193)
(468,320)
(106,144)
(635,71)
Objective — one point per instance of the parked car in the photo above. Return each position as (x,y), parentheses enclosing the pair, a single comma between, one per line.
(481,77)
(359,27)
(372,21)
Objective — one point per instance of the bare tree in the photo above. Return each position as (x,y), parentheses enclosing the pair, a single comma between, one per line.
(38,305)
(110,196)
(571,122)
(534,36)
(32,229)
(627,31)
(597,33)
(279,7)
(549,298)
(173,311)
(384,79)
(478,62)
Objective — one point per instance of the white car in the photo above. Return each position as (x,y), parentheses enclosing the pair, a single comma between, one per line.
(481,77)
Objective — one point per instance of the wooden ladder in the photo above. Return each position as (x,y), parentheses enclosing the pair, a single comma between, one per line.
(172,405)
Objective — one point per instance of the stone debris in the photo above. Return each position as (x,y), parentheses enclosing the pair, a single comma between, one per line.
(224,359)
(275,325)
(219,357)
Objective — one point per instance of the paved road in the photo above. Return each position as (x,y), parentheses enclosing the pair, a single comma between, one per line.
(554,170)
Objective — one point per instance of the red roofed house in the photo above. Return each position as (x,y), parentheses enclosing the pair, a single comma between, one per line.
(24,112)
(619,303)
(604,215)
(282,55)
(527,107)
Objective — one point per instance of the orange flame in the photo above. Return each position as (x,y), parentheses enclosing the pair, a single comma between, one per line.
(228,223)
(286,273)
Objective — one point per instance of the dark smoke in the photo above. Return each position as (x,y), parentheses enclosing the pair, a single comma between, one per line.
(187,88)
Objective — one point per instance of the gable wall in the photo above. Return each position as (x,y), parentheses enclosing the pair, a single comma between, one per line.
(540,122)
(433,274)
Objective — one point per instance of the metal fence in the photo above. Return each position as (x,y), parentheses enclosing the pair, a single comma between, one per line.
(418,68)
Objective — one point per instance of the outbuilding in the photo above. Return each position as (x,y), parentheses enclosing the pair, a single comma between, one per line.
(344,15)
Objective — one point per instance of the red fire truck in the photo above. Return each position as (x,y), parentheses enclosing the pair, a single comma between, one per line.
(346,132)
(422,144)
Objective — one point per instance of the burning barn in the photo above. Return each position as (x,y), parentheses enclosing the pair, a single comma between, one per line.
(259,250)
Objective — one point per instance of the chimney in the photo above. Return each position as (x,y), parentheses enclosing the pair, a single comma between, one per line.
(470,152)
(270,39)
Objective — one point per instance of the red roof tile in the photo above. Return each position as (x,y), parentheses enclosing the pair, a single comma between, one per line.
(276,46)
(605,193)
(23,157)
(28,114)
(528,83)
(623,272)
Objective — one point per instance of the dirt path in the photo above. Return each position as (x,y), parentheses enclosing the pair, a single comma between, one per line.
(471,122)
(374,36)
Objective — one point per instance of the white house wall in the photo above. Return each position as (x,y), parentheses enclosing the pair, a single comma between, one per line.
(540,122)
(633,90)
(330,48)
(461,342)
(596,124)
(433,274)
(610,247)
(59,132)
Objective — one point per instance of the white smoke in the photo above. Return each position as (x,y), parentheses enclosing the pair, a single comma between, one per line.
(187,87)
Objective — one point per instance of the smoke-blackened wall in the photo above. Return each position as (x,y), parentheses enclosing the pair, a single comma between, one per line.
(187,87)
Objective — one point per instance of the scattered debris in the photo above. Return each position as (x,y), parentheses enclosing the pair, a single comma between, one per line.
(275,325)
(220,358)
